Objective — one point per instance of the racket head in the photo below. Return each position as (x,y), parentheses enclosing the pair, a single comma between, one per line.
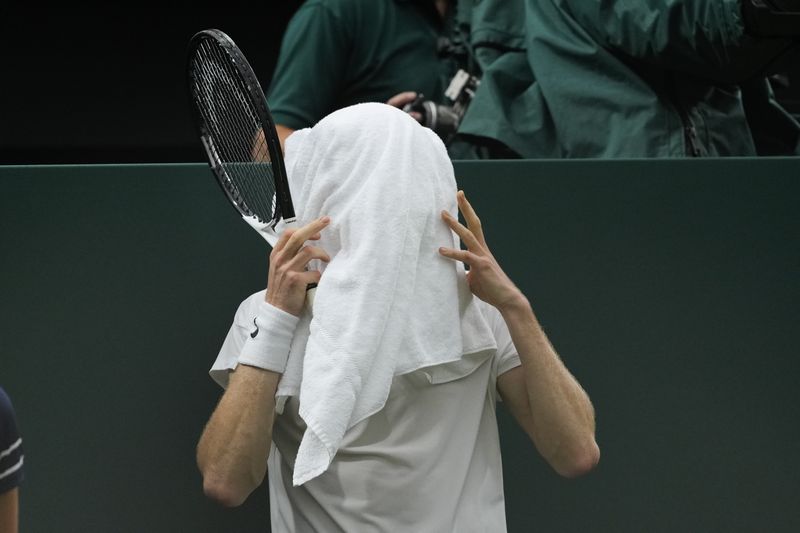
(237,131)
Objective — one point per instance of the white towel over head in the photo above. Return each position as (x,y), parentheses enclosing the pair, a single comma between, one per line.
(388,303)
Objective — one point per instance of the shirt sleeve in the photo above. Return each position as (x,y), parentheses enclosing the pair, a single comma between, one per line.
(311,66)
(11,456)
(506,357)
(228,356)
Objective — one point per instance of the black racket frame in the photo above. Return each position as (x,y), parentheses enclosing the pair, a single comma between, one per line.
(284,209)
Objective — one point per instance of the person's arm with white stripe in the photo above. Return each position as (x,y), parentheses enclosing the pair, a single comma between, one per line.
(545,399)
(11,466)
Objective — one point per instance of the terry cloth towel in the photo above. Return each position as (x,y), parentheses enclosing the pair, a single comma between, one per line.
(387,303)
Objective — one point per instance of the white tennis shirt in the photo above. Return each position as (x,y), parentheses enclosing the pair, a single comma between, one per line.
(429,461)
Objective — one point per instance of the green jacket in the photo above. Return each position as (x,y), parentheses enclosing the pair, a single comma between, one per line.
(623,78)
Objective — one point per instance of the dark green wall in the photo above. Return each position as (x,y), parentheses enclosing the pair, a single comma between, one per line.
(670,288)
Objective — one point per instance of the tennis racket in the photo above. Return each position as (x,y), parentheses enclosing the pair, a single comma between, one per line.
(237,131)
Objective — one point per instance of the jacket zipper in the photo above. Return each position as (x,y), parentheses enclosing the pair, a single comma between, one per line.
(689,133)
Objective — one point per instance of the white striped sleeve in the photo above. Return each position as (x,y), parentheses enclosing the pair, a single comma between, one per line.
(11,456)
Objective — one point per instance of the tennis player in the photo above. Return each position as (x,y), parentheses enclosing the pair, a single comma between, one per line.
(374,410)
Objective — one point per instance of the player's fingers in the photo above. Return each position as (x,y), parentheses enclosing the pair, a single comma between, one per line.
(464,256)
(282,240)
(401,99)
(309,277)
(467,237)
(306,254)
(301,235)
(471,218)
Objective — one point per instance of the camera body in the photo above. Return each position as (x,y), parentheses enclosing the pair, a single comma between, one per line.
(442,118)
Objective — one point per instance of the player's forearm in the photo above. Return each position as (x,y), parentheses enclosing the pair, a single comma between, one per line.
(563,426)
(232,452)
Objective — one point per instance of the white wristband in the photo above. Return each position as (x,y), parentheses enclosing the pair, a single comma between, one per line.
(268,346)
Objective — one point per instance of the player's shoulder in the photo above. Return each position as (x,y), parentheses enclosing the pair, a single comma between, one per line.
(253,299)
(490,313)
(247,308)
(506,357)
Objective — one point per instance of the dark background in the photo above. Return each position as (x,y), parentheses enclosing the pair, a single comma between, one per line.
(106,85)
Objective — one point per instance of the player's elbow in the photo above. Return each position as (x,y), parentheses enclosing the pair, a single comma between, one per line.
(224,492)
(227,489)
(579,461)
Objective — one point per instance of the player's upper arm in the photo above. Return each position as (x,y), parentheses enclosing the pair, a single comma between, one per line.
(510,381)
(514,393)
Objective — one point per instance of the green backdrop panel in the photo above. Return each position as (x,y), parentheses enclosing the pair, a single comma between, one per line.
(670,289)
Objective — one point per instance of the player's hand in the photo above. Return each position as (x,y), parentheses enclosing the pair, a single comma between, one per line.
(288,277)
(485,278)
(400,100)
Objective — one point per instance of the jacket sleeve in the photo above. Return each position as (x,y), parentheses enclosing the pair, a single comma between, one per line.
(705,38)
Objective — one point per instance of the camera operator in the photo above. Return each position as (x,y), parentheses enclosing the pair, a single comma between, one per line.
(337,52)
(412,54)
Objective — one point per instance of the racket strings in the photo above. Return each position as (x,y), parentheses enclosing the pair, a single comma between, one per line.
(237,118)
(234,130)
(230,123)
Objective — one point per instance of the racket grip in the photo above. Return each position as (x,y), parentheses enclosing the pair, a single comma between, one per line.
(311,291)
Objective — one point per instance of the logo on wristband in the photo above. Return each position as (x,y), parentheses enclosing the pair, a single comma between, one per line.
(253,335)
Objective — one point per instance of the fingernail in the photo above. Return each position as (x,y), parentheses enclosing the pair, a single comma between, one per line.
(325,220)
